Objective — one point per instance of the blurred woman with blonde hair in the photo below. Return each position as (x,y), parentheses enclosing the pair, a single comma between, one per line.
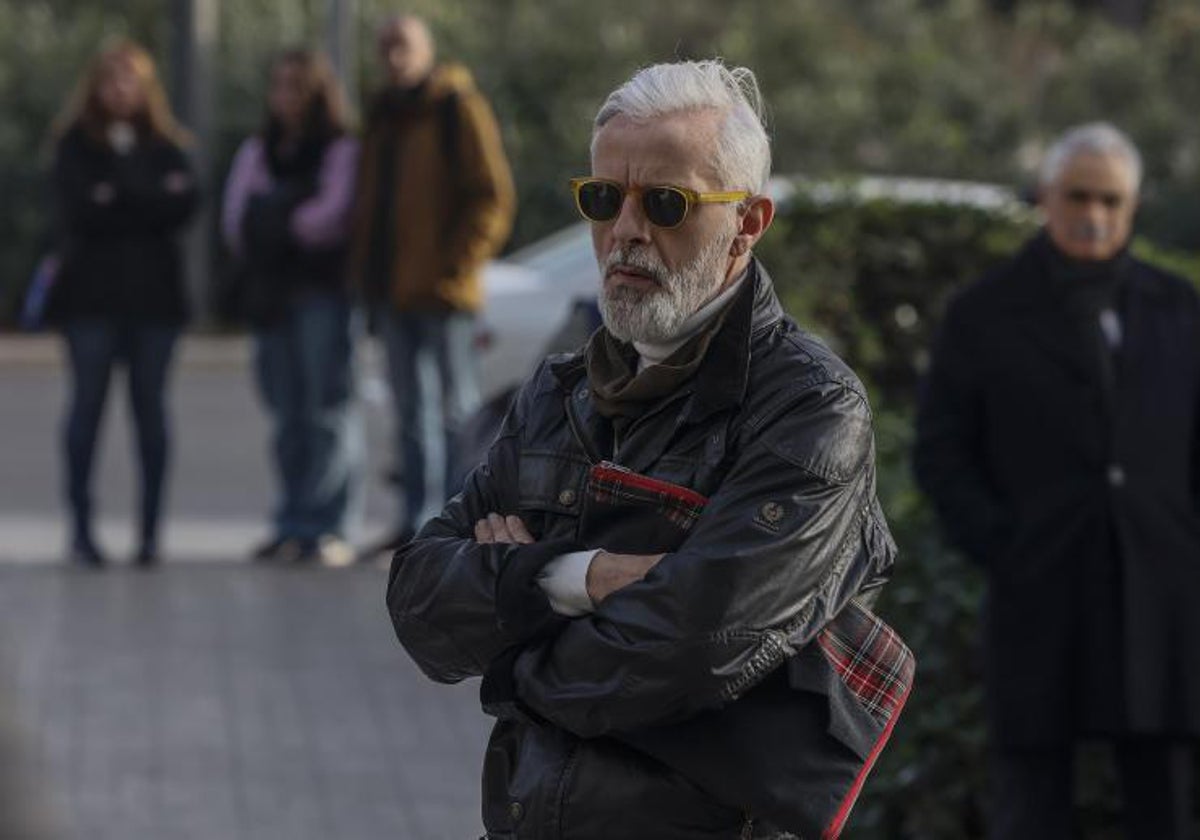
(124,190)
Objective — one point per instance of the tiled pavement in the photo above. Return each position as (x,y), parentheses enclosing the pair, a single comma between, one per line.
(215,701)
(210,699)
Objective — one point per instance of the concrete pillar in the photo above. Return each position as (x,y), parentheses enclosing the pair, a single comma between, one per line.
(192,48)
(341,43)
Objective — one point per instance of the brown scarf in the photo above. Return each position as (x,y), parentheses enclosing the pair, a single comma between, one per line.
(620,392)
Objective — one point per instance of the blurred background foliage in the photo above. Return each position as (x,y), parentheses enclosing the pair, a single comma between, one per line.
(952,88)
(961,89)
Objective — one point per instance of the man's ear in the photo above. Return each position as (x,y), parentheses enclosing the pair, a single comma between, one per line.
(755,220)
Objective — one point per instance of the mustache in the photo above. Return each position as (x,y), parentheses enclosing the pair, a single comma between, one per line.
(638,260)
(1089,232)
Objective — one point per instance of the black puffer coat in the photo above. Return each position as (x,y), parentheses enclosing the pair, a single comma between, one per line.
(119,221)
(776,432)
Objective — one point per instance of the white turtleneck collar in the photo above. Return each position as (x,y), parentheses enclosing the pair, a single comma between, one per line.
(654,354)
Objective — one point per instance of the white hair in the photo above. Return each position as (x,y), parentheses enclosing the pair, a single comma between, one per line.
(1099,138)
(743,155)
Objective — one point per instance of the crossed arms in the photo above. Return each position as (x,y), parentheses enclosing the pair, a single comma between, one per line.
(670,634)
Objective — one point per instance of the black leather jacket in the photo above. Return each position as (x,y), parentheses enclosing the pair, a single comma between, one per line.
(776,431)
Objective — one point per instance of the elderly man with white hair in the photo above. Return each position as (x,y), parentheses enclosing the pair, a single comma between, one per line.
(660,569)
(1059,439)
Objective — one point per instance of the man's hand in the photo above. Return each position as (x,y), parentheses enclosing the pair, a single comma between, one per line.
(502,529)
(610,572)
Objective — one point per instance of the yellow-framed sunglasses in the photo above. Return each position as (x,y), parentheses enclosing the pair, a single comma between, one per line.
(665,205)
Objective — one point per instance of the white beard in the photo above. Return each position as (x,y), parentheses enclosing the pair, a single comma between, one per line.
(655,316)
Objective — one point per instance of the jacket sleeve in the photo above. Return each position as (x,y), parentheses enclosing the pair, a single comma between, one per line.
(75,189)
(1195,463)
(948,454)
(166,197)
(148,191)
(790,536)
(246,177)
(442,589)
(485,188)
(323,220)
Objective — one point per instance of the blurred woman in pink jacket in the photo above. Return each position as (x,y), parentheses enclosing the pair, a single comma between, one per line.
(286,218)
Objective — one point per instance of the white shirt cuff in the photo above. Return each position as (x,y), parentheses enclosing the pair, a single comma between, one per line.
(564,580)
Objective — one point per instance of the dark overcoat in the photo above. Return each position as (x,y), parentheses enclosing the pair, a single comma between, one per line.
(1072,478)
(121,258)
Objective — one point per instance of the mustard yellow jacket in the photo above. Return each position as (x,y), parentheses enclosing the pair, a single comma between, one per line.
(453,198)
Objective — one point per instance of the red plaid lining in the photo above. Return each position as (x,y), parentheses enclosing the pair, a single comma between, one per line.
(871,660)
(679,505)
(878,667)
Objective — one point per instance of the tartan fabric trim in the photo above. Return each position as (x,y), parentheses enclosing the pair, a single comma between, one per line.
(679,505)
(833,831)
(871,660)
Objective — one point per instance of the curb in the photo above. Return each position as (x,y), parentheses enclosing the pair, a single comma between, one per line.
(45,350)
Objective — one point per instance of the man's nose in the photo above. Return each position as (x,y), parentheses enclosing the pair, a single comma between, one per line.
(631,224)
(1096,212)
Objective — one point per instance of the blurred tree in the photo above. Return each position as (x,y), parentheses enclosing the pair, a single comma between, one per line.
(929,87)
(1130,13)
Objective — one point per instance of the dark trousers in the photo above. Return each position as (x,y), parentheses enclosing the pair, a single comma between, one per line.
(1033,791)
(94,348)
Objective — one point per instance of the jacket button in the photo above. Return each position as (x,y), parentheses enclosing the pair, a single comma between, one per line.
(566,498)
(516,811)
(1116,475)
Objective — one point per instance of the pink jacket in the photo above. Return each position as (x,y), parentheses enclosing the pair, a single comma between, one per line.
(321,221)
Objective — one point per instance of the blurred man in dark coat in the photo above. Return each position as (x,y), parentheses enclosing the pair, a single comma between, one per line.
(1057,438)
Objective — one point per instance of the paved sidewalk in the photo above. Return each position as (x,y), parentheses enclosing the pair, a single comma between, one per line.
(211,699)
(221,701)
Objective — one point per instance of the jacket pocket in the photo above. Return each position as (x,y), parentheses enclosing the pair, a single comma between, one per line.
(550,490)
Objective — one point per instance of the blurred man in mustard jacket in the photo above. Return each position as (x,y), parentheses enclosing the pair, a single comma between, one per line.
(435,202)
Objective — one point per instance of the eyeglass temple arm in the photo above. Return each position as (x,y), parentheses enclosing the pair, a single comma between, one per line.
(721,197)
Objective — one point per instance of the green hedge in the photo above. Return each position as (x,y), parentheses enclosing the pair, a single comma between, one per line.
(871,275)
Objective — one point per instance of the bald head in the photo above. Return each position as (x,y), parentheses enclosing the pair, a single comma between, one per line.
(405,50)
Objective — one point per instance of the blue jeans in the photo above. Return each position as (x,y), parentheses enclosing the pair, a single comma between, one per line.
(305,372)
(434,375)
(94,348)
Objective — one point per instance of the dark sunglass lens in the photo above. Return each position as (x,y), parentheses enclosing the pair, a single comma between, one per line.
(664,206)
(600,202)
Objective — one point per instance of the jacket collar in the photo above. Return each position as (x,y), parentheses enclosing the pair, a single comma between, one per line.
(724,374)
(1031,287)
(1044,319)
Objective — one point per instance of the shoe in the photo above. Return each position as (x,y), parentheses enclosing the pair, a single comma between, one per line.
(390,544)
(85,554)
(278,550)
(147,557)
(331,551)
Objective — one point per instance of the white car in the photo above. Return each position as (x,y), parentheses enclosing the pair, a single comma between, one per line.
(527,298)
